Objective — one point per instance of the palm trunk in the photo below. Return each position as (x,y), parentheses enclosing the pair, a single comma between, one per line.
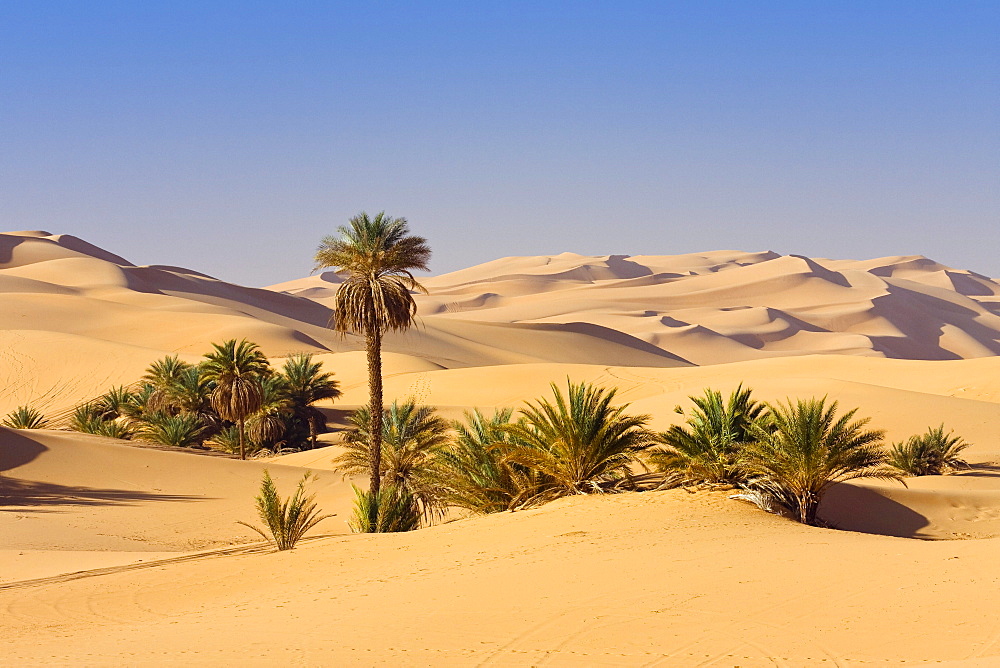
(374,349)
(240,428)
(312,432)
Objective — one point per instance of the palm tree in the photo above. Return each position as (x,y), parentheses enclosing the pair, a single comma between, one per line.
(304,385)
(237,370)
(581,443)
(267,426)
(412,437)
(474,473)
(932,453)
(705,449)
(378,256)
(802,448)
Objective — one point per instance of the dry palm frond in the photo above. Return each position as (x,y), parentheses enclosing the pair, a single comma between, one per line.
(286,521)
(803,448)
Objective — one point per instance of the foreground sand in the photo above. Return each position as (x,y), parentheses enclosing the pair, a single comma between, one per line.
(665,578)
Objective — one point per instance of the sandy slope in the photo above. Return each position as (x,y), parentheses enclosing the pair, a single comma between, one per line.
(666,578)
(727,305)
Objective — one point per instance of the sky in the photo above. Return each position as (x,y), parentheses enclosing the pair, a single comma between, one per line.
(231,137)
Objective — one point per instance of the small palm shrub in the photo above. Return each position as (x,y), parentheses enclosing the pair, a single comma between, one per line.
(474,474)
(932,453)
(89,419)
(286,521)
(802,448)
(181,431)
(390,510)
(578,443)
(25,417)
(227,439)
(706,448)
(412,438)
(115,429)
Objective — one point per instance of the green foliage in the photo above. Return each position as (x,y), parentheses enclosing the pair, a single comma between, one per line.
(286,521)
(474,474)
(182,430)
(802,448)
(412,437)
(268,425)
(236,369)
(932,453)
(305,384)
(88,418)
(115,429)
(706,448)
(580,443)
(25,417)
(114,403)
(390,510)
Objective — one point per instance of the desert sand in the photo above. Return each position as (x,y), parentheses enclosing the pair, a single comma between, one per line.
(116,554)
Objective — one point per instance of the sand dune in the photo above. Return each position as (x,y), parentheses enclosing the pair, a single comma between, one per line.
(728,306)
(112,552)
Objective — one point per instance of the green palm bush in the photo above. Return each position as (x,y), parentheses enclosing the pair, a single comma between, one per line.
(389,510)
(236,370)
(183,430)
(412,438)
(25,417)
(578,443)
(114,403)
(115,429)
(932,453)
(800,449)
(304,384)
(267,427)
(286,521)
(473,472)
(86,418)
(378,256)
(706,448)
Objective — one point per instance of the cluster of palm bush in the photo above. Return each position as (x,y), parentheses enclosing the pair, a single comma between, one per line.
(233,399)
(577,442)
(785,456)
(932,453)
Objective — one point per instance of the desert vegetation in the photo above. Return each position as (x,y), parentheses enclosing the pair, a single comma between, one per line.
(783,456)
(932,453)
(233,400)
(285,521)
(25,417)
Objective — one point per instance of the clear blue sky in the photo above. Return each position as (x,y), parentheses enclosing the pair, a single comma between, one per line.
(229,137)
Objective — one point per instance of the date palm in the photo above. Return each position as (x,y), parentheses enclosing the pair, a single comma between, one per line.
(802,448)
(580,442)
(412,438)
(304,384)
(237,369)
(706,447)
(377,255)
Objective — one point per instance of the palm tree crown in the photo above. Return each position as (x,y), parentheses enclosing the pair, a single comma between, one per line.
(237,369)
(304,384)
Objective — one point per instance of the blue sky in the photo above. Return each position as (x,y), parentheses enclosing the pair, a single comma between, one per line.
(230,137)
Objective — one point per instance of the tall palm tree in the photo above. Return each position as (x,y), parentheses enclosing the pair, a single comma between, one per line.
(579,443)
(705,449)
(304,384)
(378,256)
(802,448)
(237,370)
